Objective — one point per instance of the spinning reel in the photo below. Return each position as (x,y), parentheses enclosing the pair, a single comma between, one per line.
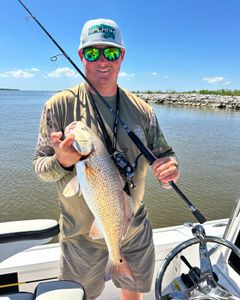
(199,283)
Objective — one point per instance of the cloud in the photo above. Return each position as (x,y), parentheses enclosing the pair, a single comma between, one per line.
(126,75)
(4,74)
(213,80)
(227,82)
(33,69)
(155,74)
(217,79)
(63,72)
(17,74)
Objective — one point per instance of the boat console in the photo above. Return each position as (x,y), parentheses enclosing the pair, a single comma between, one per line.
(234,260)
(216,274)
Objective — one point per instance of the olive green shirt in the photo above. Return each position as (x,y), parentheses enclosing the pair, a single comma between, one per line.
(74,105)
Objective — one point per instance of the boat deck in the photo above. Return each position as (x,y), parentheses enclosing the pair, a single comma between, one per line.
(43,261)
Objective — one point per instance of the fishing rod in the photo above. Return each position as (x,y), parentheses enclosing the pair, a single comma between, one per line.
(7,285)
(144,150)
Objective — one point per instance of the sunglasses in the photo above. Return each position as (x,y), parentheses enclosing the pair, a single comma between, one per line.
(93,54)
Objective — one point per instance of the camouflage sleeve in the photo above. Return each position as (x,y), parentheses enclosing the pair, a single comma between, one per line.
(45,164)
(156,140)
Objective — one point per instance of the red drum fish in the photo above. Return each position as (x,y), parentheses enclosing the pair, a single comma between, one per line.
(102,187)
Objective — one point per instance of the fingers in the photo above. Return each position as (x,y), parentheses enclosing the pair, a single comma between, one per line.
(68,141)
(56,140)
(56,137)
(65,153)
(165,170)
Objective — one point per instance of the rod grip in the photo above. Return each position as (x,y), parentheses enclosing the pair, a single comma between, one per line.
(201,219)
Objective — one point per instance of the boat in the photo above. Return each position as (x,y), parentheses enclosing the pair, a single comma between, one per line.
(184,255)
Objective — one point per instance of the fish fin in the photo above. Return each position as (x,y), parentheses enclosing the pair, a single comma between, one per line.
(118,269)
(128,213)
(90,172)
(95,231)
(72,188)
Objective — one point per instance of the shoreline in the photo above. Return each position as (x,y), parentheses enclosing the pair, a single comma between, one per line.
(194,99)
(178,99)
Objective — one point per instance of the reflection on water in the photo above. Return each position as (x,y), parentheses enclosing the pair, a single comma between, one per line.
(206,141)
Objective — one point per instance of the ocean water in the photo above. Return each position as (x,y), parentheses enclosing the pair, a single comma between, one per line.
(206,141)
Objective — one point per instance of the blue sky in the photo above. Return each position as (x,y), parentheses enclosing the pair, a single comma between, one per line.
(176,45)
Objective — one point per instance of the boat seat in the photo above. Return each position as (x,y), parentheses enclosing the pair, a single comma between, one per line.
(51,290)
(18,296)
(60,290)
(21,235)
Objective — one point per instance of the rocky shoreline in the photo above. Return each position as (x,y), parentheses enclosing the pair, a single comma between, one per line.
(196,100)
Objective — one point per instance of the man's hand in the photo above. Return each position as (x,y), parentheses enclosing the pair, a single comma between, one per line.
(165,169)
(66,155)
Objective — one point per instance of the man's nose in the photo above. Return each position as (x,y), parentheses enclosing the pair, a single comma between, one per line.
(102,58)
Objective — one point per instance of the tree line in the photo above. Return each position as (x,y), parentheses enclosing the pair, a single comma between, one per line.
(222,92)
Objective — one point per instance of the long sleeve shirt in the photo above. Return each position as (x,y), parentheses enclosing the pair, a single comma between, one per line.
(74,105)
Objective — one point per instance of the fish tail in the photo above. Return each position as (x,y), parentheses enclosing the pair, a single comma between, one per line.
(118,268)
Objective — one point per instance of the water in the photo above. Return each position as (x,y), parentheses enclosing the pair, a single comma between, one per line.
(207,143)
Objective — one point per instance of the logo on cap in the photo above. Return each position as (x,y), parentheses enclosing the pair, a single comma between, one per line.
(108,31)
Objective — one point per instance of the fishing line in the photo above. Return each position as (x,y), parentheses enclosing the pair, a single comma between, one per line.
(136,140)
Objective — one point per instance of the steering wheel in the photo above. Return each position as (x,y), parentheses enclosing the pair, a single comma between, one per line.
(204,283)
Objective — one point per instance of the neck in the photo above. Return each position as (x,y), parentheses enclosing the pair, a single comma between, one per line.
(104,91)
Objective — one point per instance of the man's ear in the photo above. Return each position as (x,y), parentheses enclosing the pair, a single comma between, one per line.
(123,53)
(80,53)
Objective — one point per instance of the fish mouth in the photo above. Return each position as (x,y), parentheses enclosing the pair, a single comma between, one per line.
(84,150)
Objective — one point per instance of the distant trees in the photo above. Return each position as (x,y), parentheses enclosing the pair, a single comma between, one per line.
(222,92)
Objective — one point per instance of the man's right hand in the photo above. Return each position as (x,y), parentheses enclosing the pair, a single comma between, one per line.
(66,155)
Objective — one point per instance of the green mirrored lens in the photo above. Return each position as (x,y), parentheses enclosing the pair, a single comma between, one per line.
(92,54)
(111,54)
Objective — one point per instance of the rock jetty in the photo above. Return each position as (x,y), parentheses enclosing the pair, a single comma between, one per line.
(197,100)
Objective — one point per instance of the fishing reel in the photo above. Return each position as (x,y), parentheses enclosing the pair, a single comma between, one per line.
(123,165)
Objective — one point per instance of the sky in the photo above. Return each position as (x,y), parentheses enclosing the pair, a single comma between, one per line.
(171,45)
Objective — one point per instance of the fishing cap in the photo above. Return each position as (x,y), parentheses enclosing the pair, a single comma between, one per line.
(101,32)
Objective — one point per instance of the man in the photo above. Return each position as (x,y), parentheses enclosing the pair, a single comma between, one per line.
(102,51)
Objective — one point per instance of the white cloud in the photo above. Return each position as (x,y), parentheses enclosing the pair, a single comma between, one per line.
(214,80)
(61,72)
(124,74)
(4,74)
(217,79)
(33,69)
(17,74)
(227,82)
(155,74)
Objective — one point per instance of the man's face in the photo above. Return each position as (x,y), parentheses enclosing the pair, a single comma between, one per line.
(102,73)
